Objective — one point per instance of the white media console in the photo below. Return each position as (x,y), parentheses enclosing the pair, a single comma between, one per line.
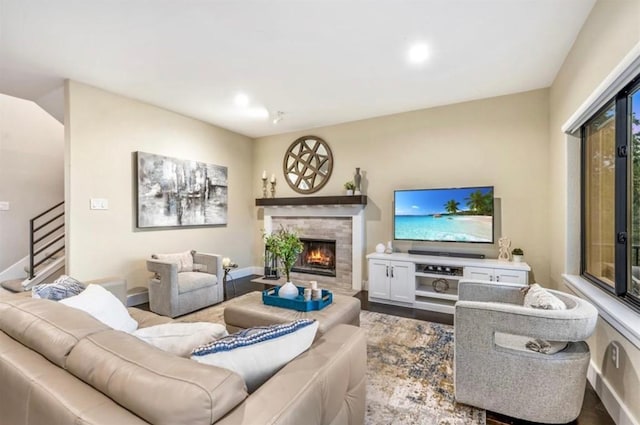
(431,282)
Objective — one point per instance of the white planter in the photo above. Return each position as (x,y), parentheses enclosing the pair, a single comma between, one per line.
(288,290)
(517,258)
(349,192)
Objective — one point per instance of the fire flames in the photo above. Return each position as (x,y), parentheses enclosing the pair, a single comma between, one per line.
(318,257)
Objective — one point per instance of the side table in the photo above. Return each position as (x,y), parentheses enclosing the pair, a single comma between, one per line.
(228,278)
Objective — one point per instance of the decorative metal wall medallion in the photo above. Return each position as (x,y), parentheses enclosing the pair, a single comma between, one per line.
(308,164)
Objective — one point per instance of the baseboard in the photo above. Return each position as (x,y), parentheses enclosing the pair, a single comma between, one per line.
(246,271)
(612,402)
(138,295)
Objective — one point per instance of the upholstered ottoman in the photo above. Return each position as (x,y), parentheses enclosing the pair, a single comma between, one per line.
(250,311)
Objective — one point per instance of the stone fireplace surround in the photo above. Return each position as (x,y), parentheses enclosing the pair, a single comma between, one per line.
(339,221)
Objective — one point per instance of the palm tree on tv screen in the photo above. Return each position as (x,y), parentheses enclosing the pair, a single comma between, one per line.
(480,203)
(452,206)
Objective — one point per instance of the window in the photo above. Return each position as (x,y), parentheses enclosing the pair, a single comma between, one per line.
(611,196)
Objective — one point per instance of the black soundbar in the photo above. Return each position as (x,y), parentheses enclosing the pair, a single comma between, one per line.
(446,254)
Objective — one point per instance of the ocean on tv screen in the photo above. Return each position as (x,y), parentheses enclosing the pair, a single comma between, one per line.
(469,228)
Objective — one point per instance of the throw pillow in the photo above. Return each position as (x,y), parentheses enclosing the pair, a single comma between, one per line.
(258,353)
(104,306)
(538,297)
(61,288)
(184,260)
(181,338)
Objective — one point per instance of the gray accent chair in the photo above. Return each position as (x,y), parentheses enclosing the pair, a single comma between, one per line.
(173,293)
(494,370)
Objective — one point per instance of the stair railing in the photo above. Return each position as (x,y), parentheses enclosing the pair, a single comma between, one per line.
(45,235)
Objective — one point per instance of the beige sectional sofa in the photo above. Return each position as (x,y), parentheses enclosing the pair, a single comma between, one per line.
(60,366)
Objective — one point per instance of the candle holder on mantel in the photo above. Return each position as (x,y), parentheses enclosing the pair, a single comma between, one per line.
(273,188)
(264,187)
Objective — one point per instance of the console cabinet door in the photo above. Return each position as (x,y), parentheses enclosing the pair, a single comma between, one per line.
(379,279)
(479,273)
(402,281)
(511,276)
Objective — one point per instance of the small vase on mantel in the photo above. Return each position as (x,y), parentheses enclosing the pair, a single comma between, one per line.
(288,290)
(357,179)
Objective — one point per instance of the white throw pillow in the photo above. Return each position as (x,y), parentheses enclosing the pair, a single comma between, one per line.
(104,306)
(181,338)
(184,260)
(538,297)
(258,353)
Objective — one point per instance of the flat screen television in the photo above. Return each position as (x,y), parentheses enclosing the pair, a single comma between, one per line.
(444,215)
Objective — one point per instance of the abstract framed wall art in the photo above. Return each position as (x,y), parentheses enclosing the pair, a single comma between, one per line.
(176,192)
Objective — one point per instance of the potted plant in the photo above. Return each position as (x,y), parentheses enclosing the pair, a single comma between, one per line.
(350,186)
(517,254)
(286,246)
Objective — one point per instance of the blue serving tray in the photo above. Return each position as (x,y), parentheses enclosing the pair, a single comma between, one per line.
(270,297)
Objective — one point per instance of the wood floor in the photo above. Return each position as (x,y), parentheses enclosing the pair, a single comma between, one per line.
(593,411)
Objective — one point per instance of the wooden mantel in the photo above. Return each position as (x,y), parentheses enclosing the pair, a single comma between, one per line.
(312,200)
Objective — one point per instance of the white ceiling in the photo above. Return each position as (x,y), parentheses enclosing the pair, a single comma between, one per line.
(322,62)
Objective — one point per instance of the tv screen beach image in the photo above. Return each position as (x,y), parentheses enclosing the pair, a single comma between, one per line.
(444,215)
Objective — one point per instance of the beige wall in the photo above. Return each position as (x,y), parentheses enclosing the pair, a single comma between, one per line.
(103,131)
(611,30)
(31,171)
(501,141)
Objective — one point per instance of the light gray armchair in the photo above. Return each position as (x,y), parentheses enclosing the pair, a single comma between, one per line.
(494,370)
(173,292)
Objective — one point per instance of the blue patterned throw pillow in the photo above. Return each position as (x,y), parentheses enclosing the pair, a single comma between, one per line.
(61,288)
(258,353)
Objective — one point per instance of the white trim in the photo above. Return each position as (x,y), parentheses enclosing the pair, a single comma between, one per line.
(245,271)
(624,72)
(15,271)
(613,311)
(611,400)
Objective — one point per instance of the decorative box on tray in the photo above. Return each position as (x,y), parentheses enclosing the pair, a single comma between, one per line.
(270,297)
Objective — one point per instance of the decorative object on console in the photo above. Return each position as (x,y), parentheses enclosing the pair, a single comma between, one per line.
(286,246)
(308,164)
(440,285)
(517,255)
(504,243)
(350,187)
(380,248)
(264,183)
(175,192)
(357,178)
(389,249)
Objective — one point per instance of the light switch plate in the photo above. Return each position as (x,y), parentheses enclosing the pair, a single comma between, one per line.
(99,204)
(5,206)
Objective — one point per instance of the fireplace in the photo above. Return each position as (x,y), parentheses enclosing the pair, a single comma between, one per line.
(317,257)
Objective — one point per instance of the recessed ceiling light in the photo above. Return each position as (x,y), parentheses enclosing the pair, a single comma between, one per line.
(418,53)
(241,99)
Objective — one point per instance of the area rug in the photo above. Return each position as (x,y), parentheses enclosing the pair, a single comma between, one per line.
(409,370)
(410,373)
